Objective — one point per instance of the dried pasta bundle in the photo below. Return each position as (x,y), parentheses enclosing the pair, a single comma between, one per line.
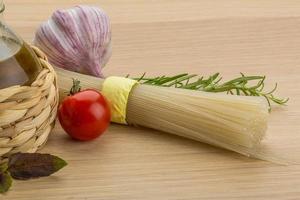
(237,123)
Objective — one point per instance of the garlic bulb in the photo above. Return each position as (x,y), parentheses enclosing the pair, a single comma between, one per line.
(77,39)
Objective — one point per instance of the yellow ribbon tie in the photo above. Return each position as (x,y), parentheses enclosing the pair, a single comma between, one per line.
(117,90)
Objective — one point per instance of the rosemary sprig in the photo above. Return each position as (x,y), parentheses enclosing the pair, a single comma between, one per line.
(243,85)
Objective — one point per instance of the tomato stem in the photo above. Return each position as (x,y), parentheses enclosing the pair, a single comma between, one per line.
(76,87)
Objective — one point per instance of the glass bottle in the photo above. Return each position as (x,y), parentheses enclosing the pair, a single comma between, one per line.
(18,63)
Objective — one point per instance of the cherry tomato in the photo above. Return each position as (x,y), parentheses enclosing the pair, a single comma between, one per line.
(84,115)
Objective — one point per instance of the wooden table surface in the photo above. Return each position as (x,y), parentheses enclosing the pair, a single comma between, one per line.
(167,37)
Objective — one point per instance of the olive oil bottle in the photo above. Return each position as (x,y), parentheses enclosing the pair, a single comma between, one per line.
(18,63)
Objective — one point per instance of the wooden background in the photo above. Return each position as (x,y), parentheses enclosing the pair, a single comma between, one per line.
(168,37)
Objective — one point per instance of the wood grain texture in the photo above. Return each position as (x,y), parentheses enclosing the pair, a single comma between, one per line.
(167,37)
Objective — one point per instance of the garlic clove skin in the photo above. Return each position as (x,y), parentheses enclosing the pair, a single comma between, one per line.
(77,39)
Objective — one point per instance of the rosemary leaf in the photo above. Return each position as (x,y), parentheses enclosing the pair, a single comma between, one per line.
(243,85)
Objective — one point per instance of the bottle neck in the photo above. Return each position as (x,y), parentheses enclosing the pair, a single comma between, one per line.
(2,8)
(6,33)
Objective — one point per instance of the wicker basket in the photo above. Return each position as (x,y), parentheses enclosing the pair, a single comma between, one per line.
(27,113)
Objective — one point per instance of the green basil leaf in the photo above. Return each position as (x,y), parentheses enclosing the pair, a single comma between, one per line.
(5,181)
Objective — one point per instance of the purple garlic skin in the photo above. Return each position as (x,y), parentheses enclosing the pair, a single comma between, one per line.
(77,39)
